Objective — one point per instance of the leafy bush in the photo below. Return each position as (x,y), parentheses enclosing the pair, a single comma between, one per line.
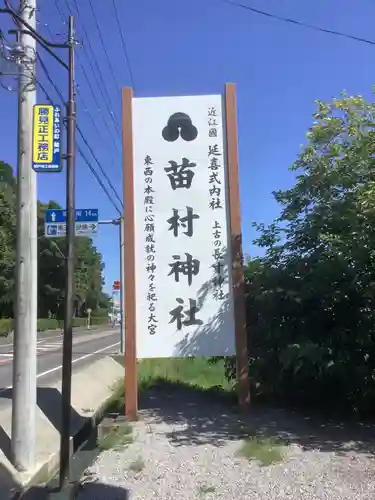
(101,312)
(6,325)
(96,321)
(311,298)
(48,324)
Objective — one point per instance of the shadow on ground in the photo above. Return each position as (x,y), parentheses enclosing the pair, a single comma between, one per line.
(99,491)
(211,416)
(89,491)
(49,401)
(8,484)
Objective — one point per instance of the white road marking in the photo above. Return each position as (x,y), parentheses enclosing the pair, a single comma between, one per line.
(52,370)
(43,347)
(38,342)
(49,346)
(47,372)
(39,348)
(54,336)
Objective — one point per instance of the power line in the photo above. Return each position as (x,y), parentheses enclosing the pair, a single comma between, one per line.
(83,156)
(99,165)
(299,23)
(105,99)
(79,93)
(101,85)
(80,131)
(103,44)
(123,43)
(59,8)
(96,72)
(97,177)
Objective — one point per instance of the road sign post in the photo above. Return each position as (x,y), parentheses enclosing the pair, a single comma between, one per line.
(86,222)
(120,222)
(89,311)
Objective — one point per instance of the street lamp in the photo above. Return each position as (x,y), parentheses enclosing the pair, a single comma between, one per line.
(12,57)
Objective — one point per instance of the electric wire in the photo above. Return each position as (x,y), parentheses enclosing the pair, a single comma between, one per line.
(90,55)
(103,45)
(87,38)
(57,90)
(80,95)
(83,156)
(60,10)
(299,23)
(123,43)
(92,60)
(79,130)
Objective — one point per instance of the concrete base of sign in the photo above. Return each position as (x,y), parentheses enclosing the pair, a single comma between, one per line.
(92,388)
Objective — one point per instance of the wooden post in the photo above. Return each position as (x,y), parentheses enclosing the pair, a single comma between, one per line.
(243,383)
(129,298)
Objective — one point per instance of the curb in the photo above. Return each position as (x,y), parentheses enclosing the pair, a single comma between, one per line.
(49,470)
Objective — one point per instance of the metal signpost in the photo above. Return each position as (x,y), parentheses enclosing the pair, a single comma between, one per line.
(115,289)
(89,311)
(119,283)
(86,222)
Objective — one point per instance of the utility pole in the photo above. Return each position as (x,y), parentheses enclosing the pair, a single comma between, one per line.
(69,267)
(23,449)
(120,223)
(24,380)
(122,281)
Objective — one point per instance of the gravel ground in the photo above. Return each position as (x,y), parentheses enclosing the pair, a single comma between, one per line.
(189,446)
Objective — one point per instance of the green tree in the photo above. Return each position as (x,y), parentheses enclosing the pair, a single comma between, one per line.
(7,239)
(51,266)
(311,299)
(88,278)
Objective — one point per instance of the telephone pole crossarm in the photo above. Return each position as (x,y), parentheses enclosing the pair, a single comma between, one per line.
(47,45)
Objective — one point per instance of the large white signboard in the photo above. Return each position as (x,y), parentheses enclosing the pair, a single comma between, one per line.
(182,247)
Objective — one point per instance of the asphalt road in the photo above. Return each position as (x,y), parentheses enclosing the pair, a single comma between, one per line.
(87,347)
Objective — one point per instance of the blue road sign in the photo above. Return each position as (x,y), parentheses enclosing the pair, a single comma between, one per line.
(55,216)
(82,215)
(58,230)
(87,215)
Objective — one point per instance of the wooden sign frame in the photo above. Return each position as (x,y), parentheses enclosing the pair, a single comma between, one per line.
(129,299)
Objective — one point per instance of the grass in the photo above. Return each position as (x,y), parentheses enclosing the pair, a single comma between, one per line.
(196,372)
(138,465)
(178,373)
(118,437)
(266,451)
(191,373)
(204,489)
(187,372)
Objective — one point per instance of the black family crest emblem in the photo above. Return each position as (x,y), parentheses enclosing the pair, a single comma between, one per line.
(179,124)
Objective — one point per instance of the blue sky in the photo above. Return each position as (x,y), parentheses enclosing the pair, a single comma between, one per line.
(193,47)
